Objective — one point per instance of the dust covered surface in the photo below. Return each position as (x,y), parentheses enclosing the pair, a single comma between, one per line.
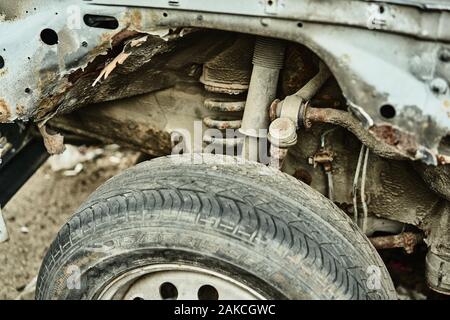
(43,205)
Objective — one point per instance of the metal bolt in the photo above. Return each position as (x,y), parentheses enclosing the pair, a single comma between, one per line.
(439,86)
(283,133)
(444,55)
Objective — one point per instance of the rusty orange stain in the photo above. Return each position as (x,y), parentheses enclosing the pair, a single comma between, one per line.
(5,112)
(20,110)
(136,19)
(132,19)
(443,159)
(446,104)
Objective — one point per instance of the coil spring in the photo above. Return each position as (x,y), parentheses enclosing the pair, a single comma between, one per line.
(230,117)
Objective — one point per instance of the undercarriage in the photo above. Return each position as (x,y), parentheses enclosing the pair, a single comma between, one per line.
(348,98)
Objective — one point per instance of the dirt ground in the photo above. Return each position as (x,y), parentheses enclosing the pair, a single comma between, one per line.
(41,207)
(48,199)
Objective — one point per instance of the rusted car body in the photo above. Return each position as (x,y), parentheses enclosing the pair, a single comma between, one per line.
(139,72)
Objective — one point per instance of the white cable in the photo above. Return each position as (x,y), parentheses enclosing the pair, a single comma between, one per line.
(355,184)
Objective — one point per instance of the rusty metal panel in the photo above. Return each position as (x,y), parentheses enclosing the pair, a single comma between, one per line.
(34,73)
(380,58)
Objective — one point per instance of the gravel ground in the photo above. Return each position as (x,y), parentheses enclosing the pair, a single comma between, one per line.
(48,199)
(41,207)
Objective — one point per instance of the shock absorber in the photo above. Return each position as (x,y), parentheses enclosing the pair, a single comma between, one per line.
(268,59)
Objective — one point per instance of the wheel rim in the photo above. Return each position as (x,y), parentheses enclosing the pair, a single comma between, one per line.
(176,282)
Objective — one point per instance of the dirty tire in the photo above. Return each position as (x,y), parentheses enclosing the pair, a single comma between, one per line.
(250,222)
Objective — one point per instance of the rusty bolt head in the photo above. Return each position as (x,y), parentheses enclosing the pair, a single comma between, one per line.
(443,159)
(283,133)
(323,157)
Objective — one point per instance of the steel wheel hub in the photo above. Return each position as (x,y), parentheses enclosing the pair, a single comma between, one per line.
(176,282)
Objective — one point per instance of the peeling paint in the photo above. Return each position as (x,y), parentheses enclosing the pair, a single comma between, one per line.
(120,59)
